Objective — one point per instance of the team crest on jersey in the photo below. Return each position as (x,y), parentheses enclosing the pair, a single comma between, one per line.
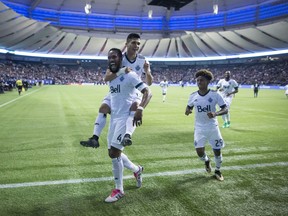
(210,100)
(122,78)
(137,68)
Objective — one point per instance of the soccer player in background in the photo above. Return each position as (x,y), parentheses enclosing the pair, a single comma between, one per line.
(19,85)
(204,102)
(227,87)
(164,86)
(256,87)
(286,90)
(140,65)
(122,90)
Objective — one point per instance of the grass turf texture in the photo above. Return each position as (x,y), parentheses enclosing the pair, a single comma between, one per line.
(39,140)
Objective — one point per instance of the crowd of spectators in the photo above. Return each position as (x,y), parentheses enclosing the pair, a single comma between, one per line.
(266,73)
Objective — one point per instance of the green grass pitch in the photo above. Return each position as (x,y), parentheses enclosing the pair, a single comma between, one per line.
(39,144)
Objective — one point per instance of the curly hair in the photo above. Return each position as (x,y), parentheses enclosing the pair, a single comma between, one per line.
(205,73)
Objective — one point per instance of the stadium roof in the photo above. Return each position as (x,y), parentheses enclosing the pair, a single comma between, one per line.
(188,31)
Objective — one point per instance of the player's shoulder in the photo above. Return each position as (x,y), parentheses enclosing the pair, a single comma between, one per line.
(213,91)
(194,93)
(139,56)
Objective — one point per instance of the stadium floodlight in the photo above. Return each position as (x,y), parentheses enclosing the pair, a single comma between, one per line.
(150,14)
(248,55)
(215,7)
(87,8)
(3,51)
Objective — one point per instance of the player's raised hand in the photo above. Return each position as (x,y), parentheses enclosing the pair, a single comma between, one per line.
(146,66)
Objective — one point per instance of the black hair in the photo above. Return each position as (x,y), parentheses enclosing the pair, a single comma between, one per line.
(118,51)
(133,36)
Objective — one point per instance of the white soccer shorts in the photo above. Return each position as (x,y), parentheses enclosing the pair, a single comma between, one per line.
(116,132)
(107,100)
(212,135)
(228,101)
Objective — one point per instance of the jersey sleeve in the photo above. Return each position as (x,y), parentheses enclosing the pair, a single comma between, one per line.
(235,84)
(191,100)
(219,84)
(136,81)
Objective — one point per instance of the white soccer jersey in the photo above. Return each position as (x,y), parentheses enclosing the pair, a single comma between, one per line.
(137,65)
(122,91)
(202,104)
(164,86)
(226,87)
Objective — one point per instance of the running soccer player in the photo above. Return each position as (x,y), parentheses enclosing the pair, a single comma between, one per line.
(122,91)
(19,85)
(204,102)
(227,87)
(140,65)
(164,86)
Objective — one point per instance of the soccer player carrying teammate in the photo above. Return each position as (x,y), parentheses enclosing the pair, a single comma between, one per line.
(122,91)
(164,86)
(206,125)
(140,65)
(227,87)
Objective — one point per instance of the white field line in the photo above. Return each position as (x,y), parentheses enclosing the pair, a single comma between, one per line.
(2,105)
(172,173)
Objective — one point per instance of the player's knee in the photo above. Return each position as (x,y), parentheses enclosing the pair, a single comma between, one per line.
(200,152)
(114,153)
(104,108)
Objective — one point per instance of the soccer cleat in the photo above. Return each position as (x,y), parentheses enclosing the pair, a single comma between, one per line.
(225,125)
(219,175)
(228,124)
(91,142)
(138,176)
(114,196)
(126,141)
(208,167)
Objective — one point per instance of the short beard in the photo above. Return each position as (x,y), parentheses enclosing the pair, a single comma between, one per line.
(114,69)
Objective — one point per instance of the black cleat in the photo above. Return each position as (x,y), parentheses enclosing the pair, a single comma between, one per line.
(208,166)
(91,142)
(218,175)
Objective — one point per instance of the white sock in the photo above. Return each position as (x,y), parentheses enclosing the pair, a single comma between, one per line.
(204,157)
(129,124)
(164,97)
(117,170)
(99,124)
(218,161)
(224,117)
(228,116)
(128,164)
